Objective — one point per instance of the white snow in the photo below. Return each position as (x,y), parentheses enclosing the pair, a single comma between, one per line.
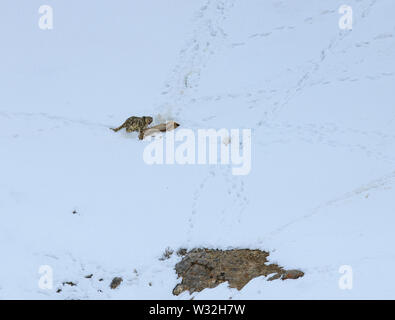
(319,101)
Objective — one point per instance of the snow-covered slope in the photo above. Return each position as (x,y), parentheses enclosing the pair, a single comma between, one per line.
(319,101)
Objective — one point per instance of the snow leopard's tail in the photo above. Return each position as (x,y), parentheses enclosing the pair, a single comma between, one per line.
(117,129)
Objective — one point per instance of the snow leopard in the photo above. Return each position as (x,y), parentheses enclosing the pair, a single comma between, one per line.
(138,124)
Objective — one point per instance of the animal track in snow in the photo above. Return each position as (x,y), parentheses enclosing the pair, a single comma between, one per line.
(382,182)
(371,143)
(207,38)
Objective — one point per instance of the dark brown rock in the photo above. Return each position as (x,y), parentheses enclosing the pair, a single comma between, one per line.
(115,282)
(207,268)
(182,252)
(292,274)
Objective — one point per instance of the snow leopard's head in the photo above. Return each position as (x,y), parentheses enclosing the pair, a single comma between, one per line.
(147,120)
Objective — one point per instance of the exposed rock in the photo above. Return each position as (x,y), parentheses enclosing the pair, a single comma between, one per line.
(179,289)
(207,268)
(182,252)
(116,282)
(274,277)
(292,274)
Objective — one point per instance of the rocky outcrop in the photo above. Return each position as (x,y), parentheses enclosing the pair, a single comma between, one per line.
(207,268)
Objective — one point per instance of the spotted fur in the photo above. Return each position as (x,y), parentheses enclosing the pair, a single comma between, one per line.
(133,124)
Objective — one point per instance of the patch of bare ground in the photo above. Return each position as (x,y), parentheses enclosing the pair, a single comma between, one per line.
(207,268)
(116,282)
